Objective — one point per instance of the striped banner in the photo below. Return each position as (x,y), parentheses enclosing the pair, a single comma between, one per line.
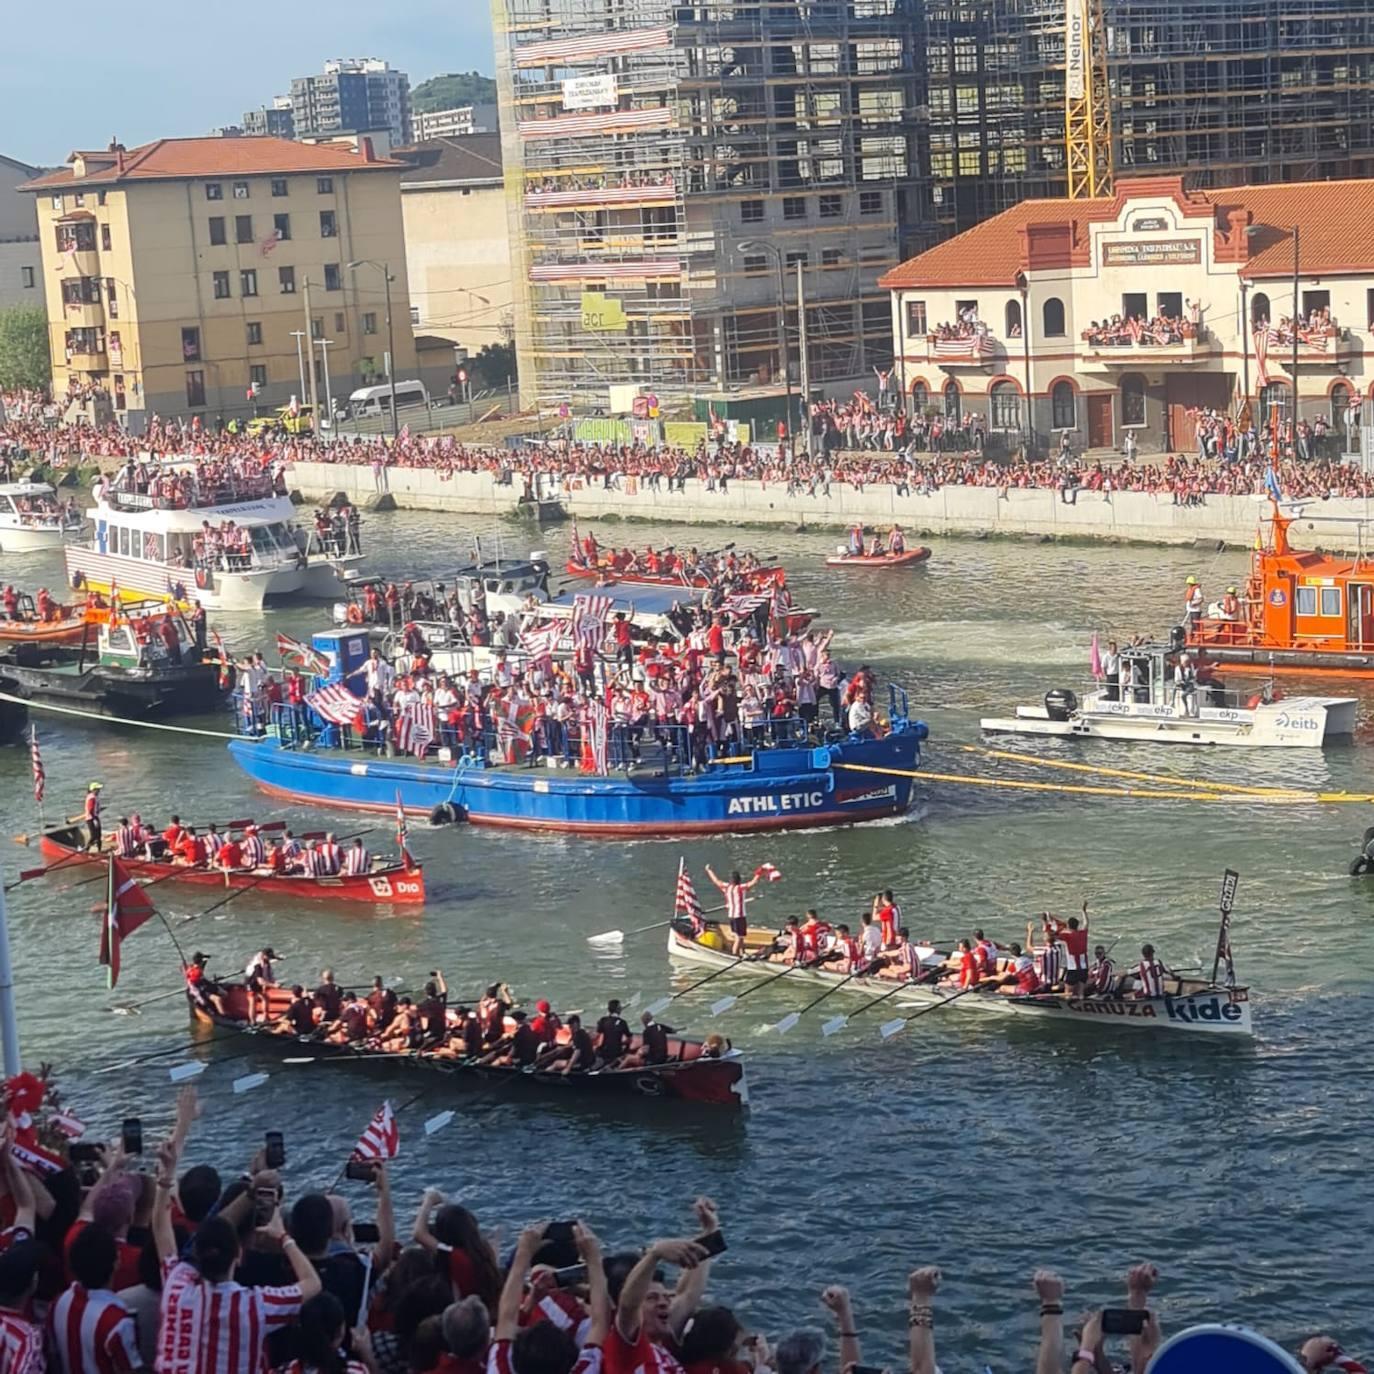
(416,728)
(336,704)
(975,346)
(608,122)
(601,44)
(646,269)
(589,620)
(664,193)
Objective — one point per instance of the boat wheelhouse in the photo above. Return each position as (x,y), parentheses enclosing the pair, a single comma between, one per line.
(31,517)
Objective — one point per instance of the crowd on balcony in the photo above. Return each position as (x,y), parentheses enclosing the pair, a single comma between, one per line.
(1127,331)
(966,326)
(1314,328)
(630,178)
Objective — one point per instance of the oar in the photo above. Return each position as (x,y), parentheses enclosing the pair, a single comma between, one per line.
(663,1002)
(792,1017)
(614,937)
(224,901)
(720,1007)
(132,1008)
(890,1028)
(838,1023)
(162,1054)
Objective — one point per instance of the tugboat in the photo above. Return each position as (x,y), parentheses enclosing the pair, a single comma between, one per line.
(138,659)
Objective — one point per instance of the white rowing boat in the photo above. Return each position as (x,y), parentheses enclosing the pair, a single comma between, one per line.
(1192,1005)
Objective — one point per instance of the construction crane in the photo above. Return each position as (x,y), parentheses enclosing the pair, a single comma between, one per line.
(1087,100)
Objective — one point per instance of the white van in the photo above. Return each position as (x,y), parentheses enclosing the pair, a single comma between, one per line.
(376,400)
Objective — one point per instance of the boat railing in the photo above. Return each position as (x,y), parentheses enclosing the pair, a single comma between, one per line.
(192,495)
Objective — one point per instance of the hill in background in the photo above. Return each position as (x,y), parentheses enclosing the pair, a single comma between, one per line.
(456,88)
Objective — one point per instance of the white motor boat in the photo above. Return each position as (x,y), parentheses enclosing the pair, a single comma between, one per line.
(31,517)
(1155,701)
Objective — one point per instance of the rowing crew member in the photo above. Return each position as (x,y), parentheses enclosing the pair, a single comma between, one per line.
(888,915)
(1074,939)
(434,1009)
(258,977)
(382,1001)
(848,950)
(91,815)
(357,861)
(325,859)
(985,952)
(613,1033)
(191,851)
(254,850)
(1150,974)
(329,996)
(125,840)
(736,893)
(299,1016)
(1022,975)
(968,965)
(1102,976)
(803,945)
(203,990)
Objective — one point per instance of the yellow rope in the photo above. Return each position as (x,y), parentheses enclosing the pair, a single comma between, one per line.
(115,720)
(1135,777)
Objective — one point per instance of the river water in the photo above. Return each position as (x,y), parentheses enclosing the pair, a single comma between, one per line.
(987,1149)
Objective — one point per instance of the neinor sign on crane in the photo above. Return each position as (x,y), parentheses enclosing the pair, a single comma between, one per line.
(1087,100)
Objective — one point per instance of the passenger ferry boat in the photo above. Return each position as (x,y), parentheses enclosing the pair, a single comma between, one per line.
(1302,612)
(1152,710)
(31,517)
(506,585)
(140,543)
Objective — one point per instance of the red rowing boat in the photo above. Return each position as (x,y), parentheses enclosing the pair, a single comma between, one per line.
(757,578)
(907,558)
(398,883)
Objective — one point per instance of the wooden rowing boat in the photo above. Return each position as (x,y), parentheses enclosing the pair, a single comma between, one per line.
(908,558)
(392,883)
(689,1076)
(1192,1005)
(756,578)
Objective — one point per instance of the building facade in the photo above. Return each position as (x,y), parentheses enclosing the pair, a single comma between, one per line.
(21,262)
(276,120)
(183,274)
(666,163)
(453,202)
(1095,319)
(352,95)
(458,122)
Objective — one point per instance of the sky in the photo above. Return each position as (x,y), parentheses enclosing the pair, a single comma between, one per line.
(90,72)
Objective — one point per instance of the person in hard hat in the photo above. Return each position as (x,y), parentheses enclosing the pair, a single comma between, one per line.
(91,815)
(1192,604)
(1230,605)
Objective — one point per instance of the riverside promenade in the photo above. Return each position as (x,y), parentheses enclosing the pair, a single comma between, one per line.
(1124,517)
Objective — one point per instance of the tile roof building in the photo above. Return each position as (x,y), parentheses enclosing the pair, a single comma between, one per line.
(1126,315)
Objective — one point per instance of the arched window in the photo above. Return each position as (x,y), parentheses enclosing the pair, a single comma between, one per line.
(1004,407)
(952,410)
(1340,404)
(920,397)
(1259,308)
(1133,399)
(1063,407)
(1273,404)
(1052,314)
(1013,319)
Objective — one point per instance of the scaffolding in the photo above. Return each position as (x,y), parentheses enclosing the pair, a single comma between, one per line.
(646,140)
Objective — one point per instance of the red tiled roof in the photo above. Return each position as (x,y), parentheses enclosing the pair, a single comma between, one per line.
(1335,221)
(171,158)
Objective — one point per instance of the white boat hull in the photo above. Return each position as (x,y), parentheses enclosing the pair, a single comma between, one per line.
(1297,723)
(1215,1011)
(31,538)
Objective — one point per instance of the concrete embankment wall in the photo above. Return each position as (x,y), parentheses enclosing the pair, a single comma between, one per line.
(1133,517)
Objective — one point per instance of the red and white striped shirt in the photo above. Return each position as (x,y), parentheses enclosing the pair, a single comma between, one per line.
(357,861)
(324,860)
(217,1328)
(1149,978)
(736,901)
(91,1332)
(254,851)
(21,1345)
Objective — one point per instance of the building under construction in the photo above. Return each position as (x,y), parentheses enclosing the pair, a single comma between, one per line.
(664,161)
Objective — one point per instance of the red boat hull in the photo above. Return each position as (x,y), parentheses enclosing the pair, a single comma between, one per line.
(883,560)
(397,885)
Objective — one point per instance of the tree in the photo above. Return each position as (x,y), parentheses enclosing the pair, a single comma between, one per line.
(454,88)
(494,364)
(24,360)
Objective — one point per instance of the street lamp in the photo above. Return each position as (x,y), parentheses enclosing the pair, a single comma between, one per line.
(761,246)
(385,270)
(1251,230)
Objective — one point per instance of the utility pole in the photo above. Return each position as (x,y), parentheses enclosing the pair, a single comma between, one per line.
(310,376)
(9,1025)
(1297,310)
(324,346)
(298,335)
(805,360)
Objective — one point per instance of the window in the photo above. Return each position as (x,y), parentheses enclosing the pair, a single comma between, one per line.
(80,198)
(190,345)
(26,278)
(57,202)
(415,314)
(1012,319)
(870,202)
(751,212)
(332,280)
(195,388)
(1133,399)
(952,401)
(1063,407)
(831,257)
(370,322)
(1134,306)
(1369,308)
(1004,409)
(101,198)
(214,191)
(221,283)
(254,328)
(240,190)
(1273,403)
(119,399)
(1330,601)
(248,282)
(317,328)
(1307,601)
(1052,318)
(111,299)
(286,280)
(1315,300)
(801,257)
(916,318)
(75,238)
(217,231)
(257,374)
(794,207)
(831,206)
(105,238)
(281,226)
(1259,309)
(243,228)
(755,266)
(920,397)
(325,185)
(1170,304)
(329,227)
(340,324)
(278,186)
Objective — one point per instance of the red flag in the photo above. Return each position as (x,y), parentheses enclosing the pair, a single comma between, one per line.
(769,871)
(401,832)
(382,1139)
(126,908)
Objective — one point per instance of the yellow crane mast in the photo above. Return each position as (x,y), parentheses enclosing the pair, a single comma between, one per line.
(1087,100)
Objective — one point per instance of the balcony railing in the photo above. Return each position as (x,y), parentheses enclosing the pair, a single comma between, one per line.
(1126,348)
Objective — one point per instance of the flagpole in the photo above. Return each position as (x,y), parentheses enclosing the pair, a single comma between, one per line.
(9,1025)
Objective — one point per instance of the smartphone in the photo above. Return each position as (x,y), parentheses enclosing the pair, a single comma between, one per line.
(1123,1321)
(361,1171)
(366,1232)
(713,1242)
(572,1277)
(274,1151)
(132,1136)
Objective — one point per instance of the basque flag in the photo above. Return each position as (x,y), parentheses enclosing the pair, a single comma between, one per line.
(126,908)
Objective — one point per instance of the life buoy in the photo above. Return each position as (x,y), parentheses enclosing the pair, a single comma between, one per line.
(446,813)
(354,614)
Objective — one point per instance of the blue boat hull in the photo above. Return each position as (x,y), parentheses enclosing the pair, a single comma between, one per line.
(784,789)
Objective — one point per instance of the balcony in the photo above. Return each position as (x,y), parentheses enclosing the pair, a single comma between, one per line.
(87,358)
(951,351)
(1329,347)
(1130,351)
(83,315)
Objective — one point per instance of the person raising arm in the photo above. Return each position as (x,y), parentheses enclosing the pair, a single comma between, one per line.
(1050,1289)
(922,1286)
(837,1300)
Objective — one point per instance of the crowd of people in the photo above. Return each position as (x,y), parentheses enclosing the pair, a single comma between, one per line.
(188,1267)
(1127,331)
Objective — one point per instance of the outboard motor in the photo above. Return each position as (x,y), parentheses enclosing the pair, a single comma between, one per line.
(1060,703)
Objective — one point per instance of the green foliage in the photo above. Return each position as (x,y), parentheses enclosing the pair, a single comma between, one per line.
(24,359)
(456,88)
(494,364)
